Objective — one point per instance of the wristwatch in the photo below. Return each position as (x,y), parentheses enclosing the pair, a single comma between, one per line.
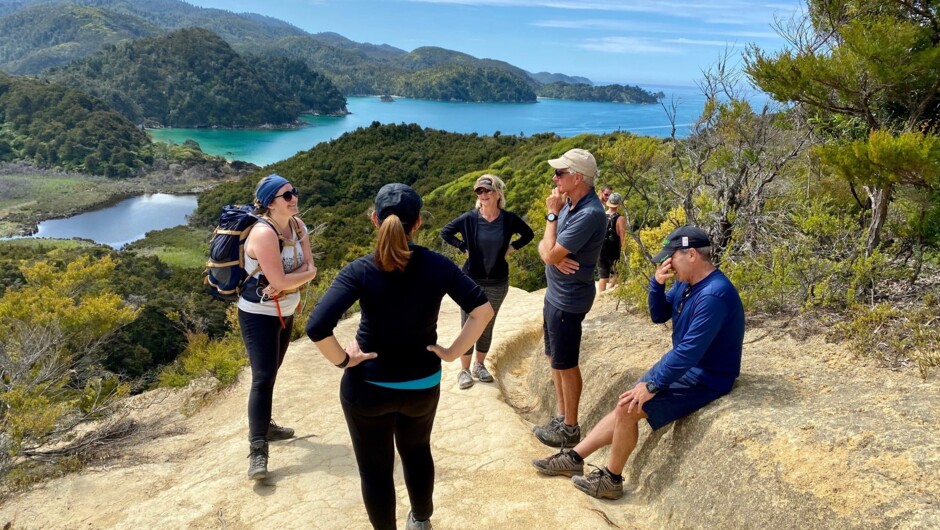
(651,387)
(551,218)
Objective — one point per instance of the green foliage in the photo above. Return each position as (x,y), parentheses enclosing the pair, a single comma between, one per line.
(59,127)
(585,92)
(193,78)
(895,335)
(221,359)
(466,83)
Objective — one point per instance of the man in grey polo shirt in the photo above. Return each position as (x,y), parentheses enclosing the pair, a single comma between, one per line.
(574,234)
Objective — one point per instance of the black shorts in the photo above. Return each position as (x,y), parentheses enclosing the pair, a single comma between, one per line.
(562,331)
(605,265)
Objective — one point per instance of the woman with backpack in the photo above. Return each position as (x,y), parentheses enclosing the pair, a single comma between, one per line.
(390,394)
(613,242)
(486,234)
(279,261)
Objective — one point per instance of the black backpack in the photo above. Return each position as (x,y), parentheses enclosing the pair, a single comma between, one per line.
(225,271)
(611,239)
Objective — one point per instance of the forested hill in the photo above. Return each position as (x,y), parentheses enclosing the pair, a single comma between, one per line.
(585,92)
(57,126)
(40,34)
(193,78)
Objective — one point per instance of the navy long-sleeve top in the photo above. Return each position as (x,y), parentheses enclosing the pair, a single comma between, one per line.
(707,332)
(466,226)
(399,312)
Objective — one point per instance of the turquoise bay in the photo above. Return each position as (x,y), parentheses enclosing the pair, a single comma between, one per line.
(565,118)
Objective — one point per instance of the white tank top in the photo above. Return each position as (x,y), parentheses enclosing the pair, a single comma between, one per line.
(292,258)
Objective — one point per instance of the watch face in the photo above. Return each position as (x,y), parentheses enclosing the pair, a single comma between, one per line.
(551,217)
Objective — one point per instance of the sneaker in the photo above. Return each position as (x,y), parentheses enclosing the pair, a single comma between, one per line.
(412,524)
(560,463)
(559,435)
(464,380)
(480,372)
(258,460)
(276,432)
(552,424)
(599,484)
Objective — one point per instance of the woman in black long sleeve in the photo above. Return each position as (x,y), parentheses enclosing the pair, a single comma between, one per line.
(486,234)
(390,395)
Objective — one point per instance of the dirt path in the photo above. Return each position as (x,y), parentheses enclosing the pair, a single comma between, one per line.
(193,476)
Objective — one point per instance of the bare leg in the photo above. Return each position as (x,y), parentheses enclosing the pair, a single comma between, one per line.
(571,385)
(559,392)
(600,436)
(625,434)
(481,356)
(465,361)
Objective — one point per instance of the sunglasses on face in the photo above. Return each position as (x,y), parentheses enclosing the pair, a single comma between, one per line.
(481,191)
(289,194)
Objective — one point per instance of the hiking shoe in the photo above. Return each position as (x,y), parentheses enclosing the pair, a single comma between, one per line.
(464,380)
(561,463)
(258,460)
(552,424)
(599,484)
(413,524)
(276,432)
(480,372)
(559,435)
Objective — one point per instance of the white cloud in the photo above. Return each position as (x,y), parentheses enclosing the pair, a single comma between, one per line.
(695,42)
(627,45)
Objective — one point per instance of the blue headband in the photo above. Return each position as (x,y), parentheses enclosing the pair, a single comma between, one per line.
(268,187)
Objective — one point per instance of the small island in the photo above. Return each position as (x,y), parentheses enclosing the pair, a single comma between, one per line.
(385,98)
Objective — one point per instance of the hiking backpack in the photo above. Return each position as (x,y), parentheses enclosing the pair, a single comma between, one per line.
(225,271)
(611,239)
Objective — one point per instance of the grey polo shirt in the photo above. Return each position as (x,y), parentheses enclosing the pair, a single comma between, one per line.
(581,230)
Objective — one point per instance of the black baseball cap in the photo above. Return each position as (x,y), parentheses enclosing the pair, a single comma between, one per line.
(682,237)
(399,199)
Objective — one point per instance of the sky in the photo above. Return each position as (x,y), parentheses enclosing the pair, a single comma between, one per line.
(644,42)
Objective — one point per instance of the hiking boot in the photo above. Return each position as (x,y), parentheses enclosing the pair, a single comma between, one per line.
(276,432)
(599,484)
(464,380)
(559,435)
(412,524)
(480,372)
(552,424)
(561,463)
(258,460)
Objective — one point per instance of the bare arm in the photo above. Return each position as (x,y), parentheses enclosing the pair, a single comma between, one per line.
(263,245)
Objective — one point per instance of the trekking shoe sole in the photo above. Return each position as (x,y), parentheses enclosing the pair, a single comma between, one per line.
(609,495)
(555,472)
(258,475)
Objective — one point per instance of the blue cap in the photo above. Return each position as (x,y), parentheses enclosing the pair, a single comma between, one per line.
(681,238)
(268,187)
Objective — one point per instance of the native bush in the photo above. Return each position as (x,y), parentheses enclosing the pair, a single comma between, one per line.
(222,358)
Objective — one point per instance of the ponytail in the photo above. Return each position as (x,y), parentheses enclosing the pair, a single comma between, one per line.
(391,250)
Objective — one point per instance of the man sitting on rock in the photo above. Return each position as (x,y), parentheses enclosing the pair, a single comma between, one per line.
(705,359)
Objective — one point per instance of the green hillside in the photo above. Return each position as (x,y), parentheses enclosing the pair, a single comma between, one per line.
(193,78)
(51,125)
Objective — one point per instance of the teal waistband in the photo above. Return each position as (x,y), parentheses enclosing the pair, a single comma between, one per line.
(430,381)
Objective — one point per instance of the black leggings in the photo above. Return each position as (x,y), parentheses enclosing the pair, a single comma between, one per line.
(266,343)
(379,419)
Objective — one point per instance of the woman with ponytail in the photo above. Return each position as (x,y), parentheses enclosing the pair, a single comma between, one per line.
(390,394)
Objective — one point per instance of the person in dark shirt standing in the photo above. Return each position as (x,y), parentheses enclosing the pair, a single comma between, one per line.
(486,234)
(389,395)
(570,246)
(705,359)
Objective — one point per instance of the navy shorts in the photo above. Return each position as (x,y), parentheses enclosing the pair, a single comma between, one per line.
(562,331)
(677,401)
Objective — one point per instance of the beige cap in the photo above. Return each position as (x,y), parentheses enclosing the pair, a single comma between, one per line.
(484,182)
(577,160)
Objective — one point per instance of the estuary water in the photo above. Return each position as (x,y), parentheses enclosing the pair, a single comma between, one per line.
(565,118)
(123,222)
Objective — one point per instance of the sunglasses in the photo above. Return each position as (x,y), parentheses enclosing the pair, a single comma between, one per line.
(561,172)
(289,194)
(685,295)
(481,191)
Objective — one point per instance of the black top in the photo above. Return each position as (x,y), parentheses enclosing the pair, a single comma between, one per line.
(466,226)
(399,312)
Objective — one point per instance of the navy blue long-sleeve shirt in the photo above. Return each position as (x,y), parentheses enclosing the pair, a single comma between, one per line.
(707,332)
(399,312)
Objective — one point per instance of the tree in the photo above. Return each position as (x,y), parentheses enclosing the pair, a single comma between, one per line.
(867,72)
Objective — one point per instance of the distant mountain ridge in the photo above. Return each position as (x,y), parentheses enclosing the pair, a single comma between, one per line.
(355,68)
